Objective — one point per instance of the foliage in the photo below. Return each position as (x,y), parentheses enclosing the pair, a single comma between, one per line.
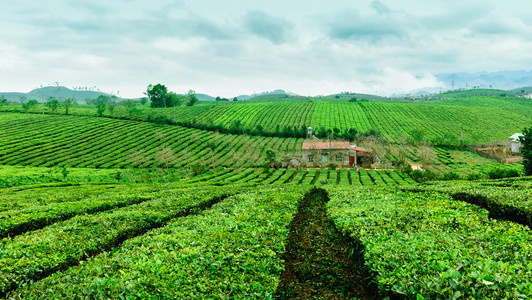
(52,104)
(3,101)
(427,155)
(90,235)
(158,95)
(271,157)
(230,250)
(101,104)
(526,150)
(111,106)
(192,99)
(174,99)
(502,173)
(132,111)
(29,105)
(422,175)
(68,103)
(451,176)
(442,248)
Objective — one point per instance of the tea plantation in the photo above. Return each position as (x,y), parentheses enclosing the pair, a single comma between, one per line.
(120,207)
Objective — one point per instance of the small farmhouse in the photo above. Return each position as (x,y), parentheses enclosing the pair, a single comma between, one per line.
(321,154)
(515,143)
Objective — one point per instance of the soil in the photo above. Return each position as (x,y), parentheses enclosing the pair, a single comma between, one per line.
(320,262)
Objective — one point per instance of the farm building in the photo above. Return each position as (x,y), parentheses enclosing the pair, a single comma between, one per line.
(321,154)
(515,143)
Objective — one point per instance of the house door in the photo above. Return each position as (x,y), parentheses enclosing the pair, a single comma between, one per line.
(351,160)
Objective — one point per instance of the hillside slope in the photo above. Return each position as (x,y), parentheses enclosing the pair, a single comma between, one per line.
(44,140)
(483,119)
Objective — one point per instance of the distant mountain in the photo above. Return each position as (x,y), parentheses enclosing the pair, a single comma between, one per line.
(58,92)
(505,80)
(204,97)
(275,92)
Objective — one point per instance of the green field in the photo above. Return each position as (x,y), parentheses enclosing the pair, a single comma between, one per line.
(484,119)
(119,207)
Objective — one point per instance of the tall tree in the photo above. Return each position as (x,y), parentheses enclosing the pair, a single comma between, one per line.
(174,99)
(131,108)
(68,103)
(192,99)
(526,150)
(101,104)
(111,108)
(3,101)
(29,105)
(158,95)
(52,104)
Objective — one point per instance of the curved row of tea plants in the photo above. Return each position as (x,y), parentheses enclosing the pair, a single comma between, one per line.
(230,251)
(509,199)
(429,246)
(39,253)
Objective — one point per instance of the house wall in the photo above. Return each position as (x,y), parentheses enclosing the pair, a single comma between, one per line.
(331,157)
(516,147)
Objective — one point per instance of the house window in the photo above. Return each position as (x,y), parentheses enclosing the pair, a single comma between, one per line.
(324,158)
(339,158)
(310,158)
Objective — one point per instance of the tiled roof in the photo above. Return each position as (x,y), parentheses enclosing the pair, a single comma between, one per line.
(325,145)
(360,149)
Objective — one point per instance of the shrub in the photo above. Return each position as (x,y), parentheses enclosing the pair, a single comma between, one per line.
(422,176)
(475,176)
(451,176)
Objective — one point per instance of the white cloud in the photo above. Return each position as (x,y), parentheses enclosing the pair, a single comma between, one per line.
(236,47)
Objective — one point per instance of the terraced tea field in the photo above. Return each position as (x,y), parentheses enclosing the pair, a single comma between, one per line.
(106,208)
(43,140)
(179,240)
(483,119)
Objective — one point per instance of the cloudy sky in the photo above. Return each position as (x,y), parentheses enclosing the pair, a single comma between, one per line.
(232,47)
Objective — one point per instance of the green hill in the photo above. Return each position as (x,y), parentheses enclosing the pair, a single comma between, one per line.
(484,119)
(58,92)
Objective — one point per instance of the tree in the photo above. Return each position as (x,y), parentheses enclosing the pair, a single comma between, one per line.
(526,150)
(52,104)
(101,104)
(68,103)
(192,99)
(235,99)
(271,158)
(174,99)
(111,108)
(131,108)
(3,101)
(165,156)
(29,105)
(427,155)
(158,95)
